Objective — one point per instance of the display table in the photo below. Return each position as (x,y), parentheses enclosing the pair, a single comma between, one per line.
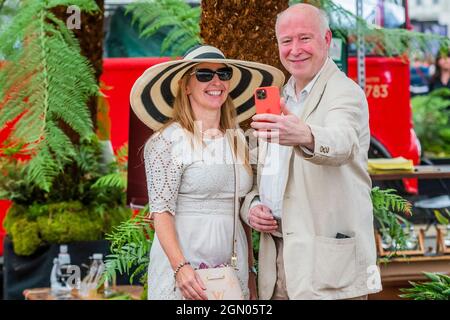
(420,172)
(397,273)
(45,294)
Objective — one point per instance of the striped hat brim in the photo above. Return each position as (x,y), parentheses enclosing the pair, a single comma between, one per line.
(153,93)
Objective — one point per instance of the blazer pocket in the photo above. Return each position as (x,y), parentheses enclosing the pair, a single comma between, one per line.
(334,263)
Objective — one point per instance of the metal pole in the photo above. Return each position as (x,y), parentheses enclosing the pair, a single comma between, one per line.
(361,64)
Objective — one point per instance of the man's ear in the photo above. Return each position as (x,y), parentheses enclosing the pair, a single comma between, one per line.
(328,37)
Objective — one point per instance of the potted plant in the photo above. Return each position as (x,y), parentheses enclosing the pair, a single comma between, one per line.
(437,288)
(432,124)
(64,184)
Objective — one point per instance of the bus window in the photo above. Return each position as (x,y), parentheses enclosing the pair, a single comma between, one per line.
(384,13)
(394,14)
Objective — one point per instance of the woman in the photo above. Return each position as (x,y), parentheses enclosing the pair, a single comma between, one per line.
(441,76)
(190,177)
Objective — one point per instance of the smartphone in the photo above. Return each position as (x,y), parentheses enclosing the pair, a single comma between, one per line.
(341,236)
(267,100)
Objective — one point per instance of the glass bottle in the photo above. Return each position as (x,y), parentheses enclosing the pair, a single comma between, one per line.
(386,240)
(90,283)
(411,240)
(447,237)
(60,275)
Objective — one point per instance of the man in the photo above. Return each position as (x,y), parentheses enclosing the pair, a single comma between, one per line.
(317,242)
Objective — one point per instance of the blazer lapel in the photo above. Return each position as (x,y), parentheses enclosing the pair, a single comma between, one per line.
(318,89)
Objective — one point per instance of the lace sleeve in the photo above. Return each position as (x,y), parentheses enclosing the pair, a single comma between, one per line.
(163,170)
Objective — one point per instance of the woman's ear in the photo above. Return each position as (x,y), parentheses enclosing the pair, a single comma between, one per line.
(180,83)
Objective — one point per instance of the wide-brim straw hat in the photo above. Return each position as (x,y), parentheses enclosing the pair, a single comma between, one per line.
(154,92)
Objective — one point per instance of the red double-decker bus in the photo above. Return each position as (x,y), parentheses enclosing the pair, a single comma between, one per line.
(387,88)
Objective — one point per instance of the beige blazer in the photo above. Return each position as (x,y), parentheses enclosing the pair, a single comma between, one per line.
(326,193)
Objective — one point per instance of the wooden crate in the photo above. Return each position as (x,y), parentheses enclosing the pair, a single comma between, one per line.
(441,248)
(418,252)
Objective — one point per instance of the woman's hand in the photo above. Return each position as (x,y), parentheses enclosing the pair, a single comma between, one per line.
(252,286)
(190,284)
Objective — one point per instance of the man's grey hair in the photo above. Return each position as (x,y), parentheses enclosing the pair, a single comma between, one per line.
(324,21)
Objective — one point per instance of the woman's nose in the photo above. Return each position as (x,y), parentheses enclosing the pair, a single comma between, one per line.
(215,79)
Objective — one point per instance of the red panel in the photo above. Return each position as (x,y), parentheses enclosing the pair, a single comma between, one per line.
(120,74)
(4,206)
(387,91)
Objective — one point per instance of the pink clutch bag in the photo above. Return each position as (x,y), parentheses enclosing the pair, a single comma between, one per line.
(221,283)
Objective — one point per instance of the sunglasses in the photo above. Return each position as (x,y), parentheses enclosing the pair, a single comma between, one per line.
(206,75)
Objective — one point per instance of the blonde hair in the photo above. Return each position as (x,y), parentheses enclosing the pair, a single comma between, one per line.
(184,116)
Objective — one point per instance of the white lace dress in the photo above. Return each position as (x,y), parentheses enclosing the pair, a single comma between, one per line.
(198,189)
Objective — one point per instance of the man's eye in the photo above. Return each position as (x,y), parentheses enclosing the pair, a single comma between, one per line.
(305,38)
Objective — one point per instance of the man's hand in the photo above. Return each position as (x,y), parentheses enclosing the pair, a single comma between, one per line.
(261,219)
(285,129)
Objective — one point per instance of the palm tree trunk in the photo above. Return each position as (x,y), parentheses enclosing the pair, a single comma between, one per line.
(243,29)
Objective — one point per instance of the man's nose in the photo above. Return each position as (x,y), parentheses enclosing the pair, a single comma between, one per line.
(296,48)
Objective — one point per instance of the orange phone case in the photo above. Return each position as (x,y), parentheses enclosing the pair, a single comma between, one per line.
(267,100)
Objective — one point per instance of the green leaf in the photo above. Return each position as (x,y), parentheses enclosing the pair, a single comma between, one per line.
(183,20)
(48,81)
(130,246)
(440,218)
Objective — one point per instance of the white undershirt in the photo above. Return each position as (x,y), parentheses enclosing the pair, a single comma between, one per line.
(276,167)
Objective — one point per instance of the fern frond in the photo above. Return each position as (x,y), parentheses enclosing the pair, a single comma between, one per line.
(152,15)
(65,34)
(130,245)
(85,5)
(88,155)
(46,80)
(438,288)
(112,180)
(42,168)
(174,36)
(386,209)
(25,16)
(387,200)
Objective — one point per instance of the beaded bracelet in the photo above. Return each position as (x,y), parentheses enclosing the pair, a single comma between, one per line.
(181,265)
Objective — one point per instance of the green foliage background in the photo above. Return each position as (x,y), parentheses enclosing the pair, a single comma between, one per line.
(431,114)
(34,226)
(179,16)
